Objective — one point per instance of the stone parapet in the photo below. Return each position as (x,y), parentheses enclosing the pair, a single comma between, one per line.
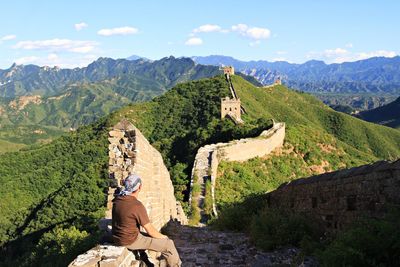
(338,198)
(129,153)
(208,157)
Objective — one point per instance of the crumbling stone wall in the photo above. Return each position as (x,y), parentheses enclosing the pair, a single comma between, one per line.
(340,197)
(208,157)
(245,149)
(130,152)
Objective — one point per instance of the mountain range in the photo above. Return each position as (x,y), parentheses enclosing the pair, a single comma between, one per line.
(378,75)
(388,115)
(164,73)
(40,103)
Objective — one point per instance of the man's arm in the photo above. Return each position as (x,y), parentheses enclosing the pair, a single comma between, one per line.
(153,231)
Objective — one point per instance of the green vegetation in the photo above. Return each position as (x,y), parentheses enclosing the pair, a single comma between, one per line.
(48,189)
(6,146)
(373,242)
(318,139)
(53,194)
(179,122)
(71,98)
(349,102)
(208,202)
(194,215)
(388,115)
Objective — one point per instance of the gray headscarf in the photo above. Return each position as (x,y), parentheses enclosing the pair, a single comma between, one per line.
(131,184)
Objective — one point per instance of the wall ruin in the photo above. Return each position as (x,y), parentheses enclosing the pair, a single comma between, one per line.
(130,152)
(338,198)
(208,157)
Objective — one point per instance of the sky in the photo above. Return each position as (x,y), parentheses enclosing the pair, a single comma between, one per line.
(74,33)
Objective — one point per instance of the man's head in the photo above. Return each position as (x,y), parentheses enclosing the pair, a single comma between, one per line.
(132,183)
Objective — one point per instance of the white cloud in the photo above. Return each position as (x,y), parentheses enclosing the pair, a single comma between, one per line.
(330,53)
(80,26)
(281,52)
(8,37)
(53,60)
(118,31)
(279,59)
(52,57)
(255,33)
(208,28)
(194,41)
(58,45)
(349,45)
(26,60)
(379,53)
(340,55)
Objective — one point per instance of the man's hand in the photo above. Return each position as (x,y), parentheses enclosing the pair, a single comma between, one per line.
(153,231)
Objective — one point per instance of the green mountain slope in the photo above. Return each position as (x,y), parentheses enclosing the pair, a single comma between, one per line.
(34,80)
(53,193)
(318,139)
(43,97)
(388,114)
(52,196)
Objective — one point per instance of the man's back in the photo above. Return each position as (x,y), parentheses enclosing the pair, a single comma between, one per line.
(128,214)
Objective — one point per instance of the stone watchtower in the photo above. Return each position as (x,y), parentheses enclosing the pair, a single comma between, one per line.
(231,107)
(228,70)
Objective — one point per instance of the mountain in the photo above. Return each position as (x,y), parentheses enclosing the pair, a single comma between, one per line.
(136,57)
(388,115)
(53,194)
(43,102)
(21,80)
(373,75)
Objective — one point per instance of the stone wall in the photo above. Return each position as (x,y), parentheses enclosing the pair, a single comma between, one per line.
(340,197)
(208,157)
(230,106)
(130,152)
(245,149)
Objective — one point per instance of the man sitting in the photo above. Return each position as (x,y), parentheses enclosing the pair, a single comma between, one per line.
(128,214)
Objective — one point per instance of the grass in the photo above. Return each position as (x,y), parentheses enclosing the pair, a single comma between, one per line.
(208,201)
(6,146)
(194,216)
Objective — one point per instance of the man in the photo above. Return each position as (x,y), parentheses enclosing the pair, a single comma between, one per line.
(128,214)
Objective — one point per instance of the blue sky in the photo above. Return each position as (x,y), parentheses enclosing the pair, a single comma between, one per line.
(74,33)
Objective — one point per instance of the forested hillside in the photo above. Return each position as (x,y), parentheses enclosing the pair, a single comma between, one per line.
(34,80)
(40,103)
(388,115)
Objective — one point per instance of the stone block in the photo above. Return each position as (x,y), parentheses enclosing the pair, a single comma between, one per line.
(116,133)
(113,140)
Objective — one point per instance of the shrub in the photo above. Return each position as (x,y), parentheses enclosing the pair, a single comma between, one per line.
(370,242)
(273,228)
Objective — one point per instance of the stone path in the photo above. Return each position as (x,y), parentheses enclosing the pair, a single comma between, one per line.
(201,246)
(202,167)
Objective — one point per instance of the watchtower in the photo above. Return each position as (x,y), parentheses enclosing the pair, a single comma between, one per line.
(231,107)
(229,70)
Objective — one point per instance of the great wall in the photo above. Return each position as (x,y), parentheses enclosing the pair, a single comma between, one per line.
(130,152)
(336,199)
(207,159)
